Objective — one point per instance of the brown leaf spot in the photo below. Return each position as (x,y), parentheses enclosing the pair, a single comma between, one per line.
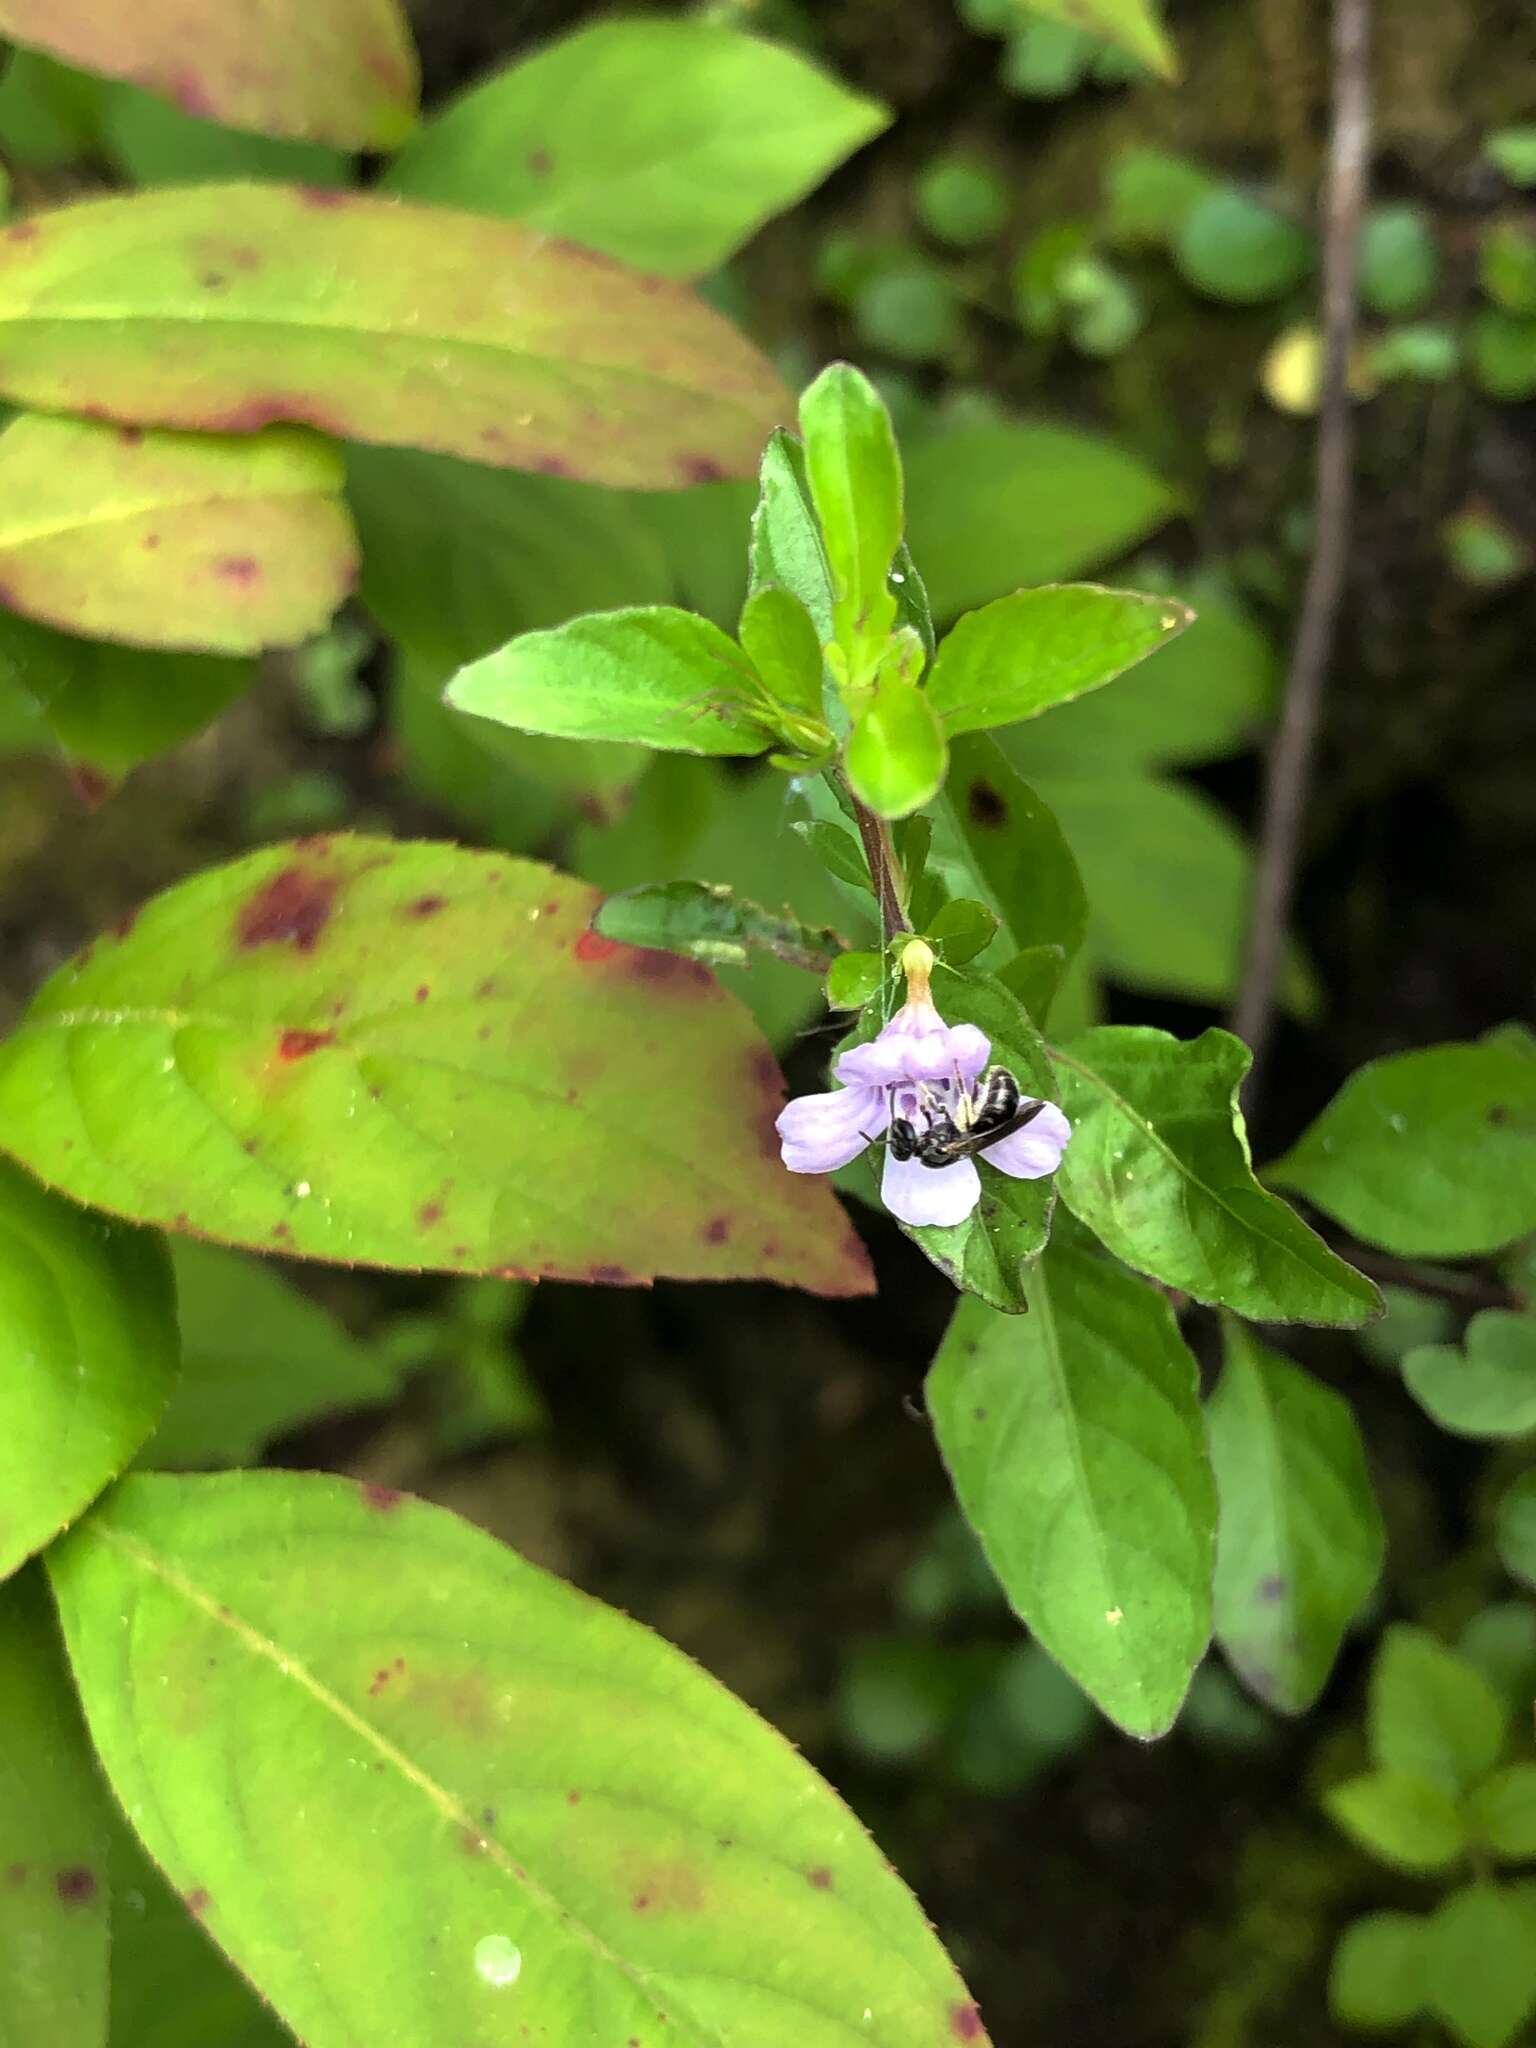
(669,1887)
(593,946)
(471,1843)
(190,94)
(429,1213)
(1272,1588)
(16,1873)
(717,1230)
(241,569)
(422,992)
(1497,1114)
(485,988)
(383,1675)
(281,1230)
(89,784)
(426,906)
(294,907)
(123,925)
(198,1902)
(151,541)
(965,2022)
(552,465)
(985,807)
(701,469)
(821,1877)
(131,437)
(76,1886)
(610,1276)
(382,1499)
(22,231)
(321,195)
(213,280)
(573,1798)
(296,1045)
(540,162)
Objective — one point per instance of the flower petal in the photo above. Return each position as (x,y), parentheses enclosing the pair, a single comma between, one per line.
(1035,1151)
(969,1049)
(819,1133)
(929,1194)
(875,1065)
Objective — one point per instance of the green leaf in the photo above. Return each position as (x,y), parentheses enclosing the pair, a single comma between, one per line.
(989,1253)
(226,307)
(173,540)
(410,1055)
(1515,1528)
(344,73)
(1503,354)
(48,112)
(1074,1440)
(1301,1541)
(854,474)
(1507,269)
(653,675)
(111,707)
(458,558)
(837,850)
(1168,876)
(1411,1319)
(1203,694)
(1488,1390)
(708,921)
(1399,263)
(785,549)
(1235,248)
(1377,1975)
(996,839)
(962,929)
(1148,195)
(1430,1152)
(1158,1167)
(1019,655)
(258,1359)
(1501,1812)
(895,756)
(1401,1819)
(854,979)
(1479,1967)
(1433,1714)
(1034,976)
(53,1891)
(992,507)
(1134,26)
(961,199)
(664,143)
(1513,151)
(779,640)
(156,143)
(1500,1642)
(701,1886)
(88,1356)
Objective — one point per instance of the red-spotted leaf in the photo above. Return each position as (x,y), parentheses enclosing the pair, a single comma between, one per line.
(226,307)
(424,1793)
(414,1056)
(228,543)
(344,72)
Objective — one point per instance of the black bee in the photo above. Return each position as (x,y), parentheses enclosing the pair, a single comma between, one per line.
(996,1110)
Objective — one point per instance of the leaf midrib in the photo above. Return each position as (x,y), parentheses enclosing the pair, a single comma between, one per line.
(12,541)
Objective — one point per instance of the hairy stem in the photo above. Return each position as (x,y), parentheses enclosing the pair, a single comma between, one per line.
(884,867)
(1290,760)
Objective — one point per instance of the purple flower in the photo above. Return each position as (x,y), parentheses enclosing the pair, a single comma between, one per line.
(921,1070)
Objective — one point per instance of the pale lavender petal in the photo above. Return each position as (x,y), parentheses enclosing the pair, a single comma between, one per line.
(929,1194)
(928,1056)
(819,1133)
(1035,1151)
(969,1049)
(875,1065)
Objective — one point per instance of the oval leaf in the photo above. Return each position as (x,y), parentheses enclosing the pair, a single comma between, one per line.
(854,473)
(1020,655)
(664,143)
(1486,1390)
(229,306)
(88,1355)
(1301,1541)
(654,675)
(1426,1153)
(544,1817)
(409,1055)
(895,754)
(53,1889)
(1132,25)
(225,543)
(1159,1169)
(342,73)
(995,837)
(1074,1439)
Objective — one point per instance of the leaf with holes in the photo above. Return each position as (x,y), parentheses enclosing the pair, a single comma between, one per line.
(1426,1153)
(225,543)
(1159,1169)
(88,1355)
(226,307)
(664,143)
(1074,1440)
(342,73)
(409,1055)
(53,1892)
(542,1816)
(1301,1541)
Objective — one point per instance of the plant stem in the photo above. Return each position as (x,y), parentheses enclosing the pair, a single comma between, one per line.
(1290,761)
(884,867)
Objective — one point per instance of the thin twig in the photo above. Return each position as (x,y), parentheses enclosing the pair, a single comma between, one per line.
(884,868)
(1290,760)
